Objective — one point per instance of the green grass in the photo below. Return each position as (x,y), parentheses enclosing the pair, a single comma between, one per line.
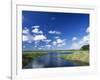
(78,57)
(27,56)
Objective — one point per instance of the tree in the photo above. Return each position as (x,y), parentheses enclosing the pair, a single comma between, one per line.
(85,47)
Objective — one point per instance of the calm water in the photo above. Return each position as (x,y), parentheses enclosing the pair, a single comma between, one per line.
(50,60)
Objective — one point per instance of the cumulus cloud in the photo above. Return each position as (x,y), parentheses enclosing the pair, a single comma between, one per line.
(54,32)
(36,26)
(54,43)
(35,38)
(84,40)
(37,31)
(59,42)
(48,46)
(25,38)
(75,45)
(39,37)
(62,44)
(25,31)
(47,40)
(80,43)
(74,38)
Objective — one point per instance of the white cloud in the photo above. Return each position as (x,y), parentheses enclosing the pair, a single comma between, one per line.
(59,42)
(84,40)
(25,31)
(75,45)
(25,38)
(26,34)
(41,32)
(54,43)
(28,38)
(88,30)
(80,43)
(37,31)
(62,44)
(36,27)
(48,46)
(74,38)
(54,32)
(51,32)
(39,37)
(47,40)
(58,32)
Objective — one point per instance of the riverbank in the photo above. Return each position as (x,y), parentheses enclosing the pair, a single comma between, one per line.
(28,56)
(80,58)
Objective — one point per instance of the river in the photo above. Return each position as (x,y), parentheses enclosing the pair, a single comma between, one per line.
(51,59)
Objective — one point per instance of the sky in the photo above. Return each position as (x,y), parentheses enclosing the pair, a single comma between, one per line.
(54,31)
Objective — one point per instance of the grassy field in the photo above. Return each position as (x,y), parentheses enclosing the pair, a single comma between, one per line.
(27,56)
(80,58)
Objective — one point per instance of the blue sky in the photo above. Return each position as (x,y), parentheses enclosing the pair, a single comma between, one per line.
(52,30)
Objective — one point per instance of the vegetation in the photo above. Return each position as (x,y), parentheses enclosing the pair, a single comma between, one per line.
(28,56)
(85,47)
(80,59)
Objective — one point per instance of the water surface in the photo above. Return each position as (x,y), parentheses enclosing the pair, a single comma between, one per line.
(51,59)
